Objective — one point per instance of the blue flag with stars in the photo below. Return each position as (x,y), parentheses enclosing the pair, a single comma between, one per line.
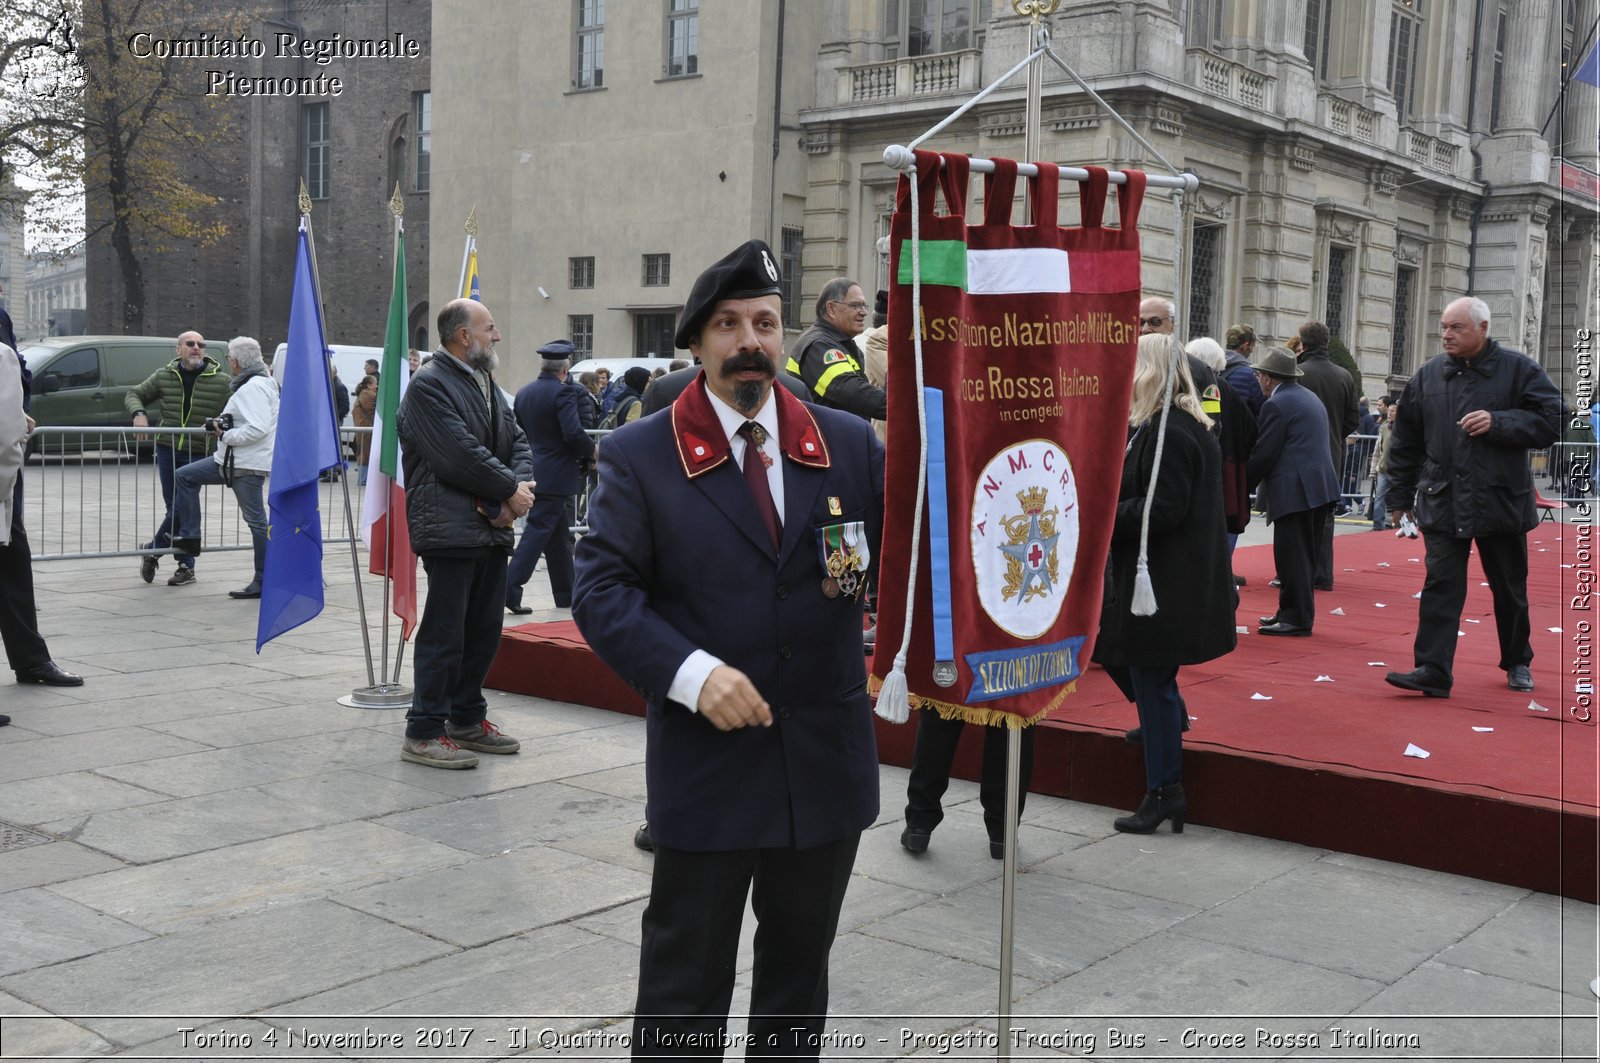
(306,444)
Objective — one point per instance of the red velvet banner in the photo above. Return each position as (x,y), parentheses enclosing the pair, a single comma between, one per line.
(1028,337)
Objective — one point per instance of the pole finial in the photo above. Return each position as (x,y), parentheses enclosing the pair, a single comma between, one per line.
(472,222)
(1035,9)
(304,199)
(397,205)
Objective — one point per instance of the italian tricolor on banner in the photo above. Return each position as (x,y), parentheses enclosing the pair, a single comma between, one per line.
(383,519)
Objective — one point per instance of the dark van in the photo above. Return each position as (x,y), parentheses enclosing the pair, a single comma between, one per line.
(81,381)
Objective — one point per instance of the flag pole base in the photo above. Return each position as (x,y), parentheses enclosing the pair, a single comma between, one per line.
(382,696)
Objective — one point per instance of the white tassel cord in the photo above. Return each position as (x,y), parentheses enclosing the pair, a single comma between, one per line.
(894,699)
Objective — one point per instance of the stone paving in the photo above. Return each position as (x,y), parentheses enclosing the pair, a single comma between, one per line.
(201,839)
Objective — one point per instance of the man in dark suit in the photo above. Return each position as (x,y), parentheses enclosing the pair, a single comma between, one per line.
(547,410)
(1291,458)
(1334,385)
(742,630)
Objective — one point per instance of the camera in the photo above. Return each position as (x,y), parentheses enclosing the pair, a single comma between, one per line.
(220,424)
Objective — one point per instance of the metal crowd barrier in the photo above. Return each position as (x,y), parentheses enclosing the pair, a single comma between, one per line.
(96,493)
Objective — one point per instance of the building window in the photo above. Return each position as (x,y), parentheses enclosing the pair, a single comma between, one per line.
(1206,21)
(1405,285)
(657,271)
(652,335)
(928,27)
(422,123)
(683,38)
(1405,48)
(1318,33)
(591,64)
(580,272)
(1338,286)
(789,262)
(580,330)
(1205,272)
(317,160)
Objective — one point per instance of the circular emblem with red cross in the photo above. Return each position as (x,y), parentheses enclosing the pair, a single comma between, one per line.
(1025,536)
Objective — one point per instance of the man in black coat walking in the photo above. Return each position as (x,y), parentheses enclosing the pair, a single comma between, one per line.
(1458,463)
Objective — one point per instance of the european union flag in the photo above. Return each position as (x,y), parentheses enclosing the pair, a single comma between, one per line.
(306,444)
(1589,72)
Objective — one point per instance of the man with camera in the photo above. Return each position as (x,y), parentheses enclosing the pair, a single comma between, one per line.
(244,432)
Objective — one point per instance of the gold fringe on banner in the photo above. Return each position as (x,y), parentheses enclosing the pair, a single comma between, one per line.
(977,714)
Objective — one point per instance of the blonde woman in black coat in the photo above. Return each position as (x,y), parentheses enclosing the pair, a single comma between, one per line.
(1189,573)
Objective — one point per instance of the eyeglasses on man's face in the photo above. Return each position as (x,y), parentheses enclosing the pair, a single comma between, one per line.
(859,308)
(1153,322)
(195,343)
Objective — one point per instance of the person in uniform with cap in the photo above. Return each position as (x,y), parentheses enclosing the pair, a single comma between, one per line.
(547,411)
(730,540)
(1292,462)
(824,356)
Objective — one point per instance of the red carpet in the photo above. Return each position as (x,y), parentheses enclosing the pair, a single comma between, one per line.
(1320,763)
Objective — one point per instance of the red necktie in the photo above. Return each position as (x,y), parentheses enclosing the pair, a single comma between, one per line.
(755,477)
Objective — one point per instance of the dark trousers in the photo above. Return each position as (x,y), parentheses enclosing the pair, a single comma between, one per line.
(1323,567)
(19,619)
(1294,552)
(1444,592)
(456,641)
(690,946)
(935,751)
(1154,692)
(546,534)
(168,461)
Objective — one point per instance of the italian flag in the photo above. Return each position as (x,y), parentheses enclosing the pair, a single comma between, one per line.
(1020,270)
(383,518)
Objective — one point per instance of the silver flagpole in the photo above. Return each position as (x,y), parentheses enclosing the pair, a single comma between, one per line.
(1039,38)
(380,692)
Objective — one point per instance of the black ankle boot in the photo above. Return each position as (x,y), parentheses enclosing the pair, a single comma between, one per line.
(1166,803)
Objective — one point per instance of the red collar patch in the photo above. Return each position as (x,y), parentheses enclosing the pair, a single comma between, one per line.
(702,446)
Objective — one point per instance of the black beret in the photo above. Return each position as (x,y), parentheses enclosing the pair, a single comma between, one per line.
(557,349)
(881,304)
(637,378)
(746,272)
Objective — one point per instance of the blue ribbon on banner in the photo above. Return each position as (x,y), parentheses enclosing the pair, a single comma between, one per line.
(944,628)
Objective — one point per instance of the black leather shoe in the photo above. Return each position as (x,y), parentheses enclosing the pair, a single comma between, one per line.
(1280,628)
(4,719)
(641,838)
(518,609)
(1518,677)
(1421,680)
(915,840)
(997,849)
(1240,581)
(250,590)
(50,674)
(1274,582)
(1265,620)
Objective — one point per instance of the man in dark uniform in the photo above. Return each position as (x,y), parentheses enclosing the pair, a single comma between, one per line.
(824,356)
(547,411)
(1334,385)
(1459,460)
(729,540)
(1291,460)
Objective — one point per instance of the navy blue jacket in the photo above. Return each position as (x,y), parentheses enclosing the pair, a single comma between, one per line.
(1291,453)
(547,411)
(677,559)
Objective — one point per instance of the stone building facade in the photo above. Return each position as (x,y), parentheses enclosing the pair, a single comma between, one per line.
(614,150)
(1361,161)
(54,297)
(351,149)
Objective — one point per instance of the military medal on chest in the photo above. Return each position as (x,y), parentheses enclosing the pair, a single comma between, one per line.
(844,553)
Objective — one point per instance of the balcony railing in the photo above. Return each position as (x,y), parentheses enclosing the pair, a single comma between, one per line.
(924,75)
(1230,80)
(1347,119)
(1431,152)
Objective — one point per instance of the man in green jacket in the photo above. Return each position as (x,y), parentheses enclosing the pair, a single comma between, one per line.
(184,393)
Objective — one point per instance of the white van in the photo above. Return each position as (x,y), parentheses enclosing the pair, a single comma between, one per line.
(351,362)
